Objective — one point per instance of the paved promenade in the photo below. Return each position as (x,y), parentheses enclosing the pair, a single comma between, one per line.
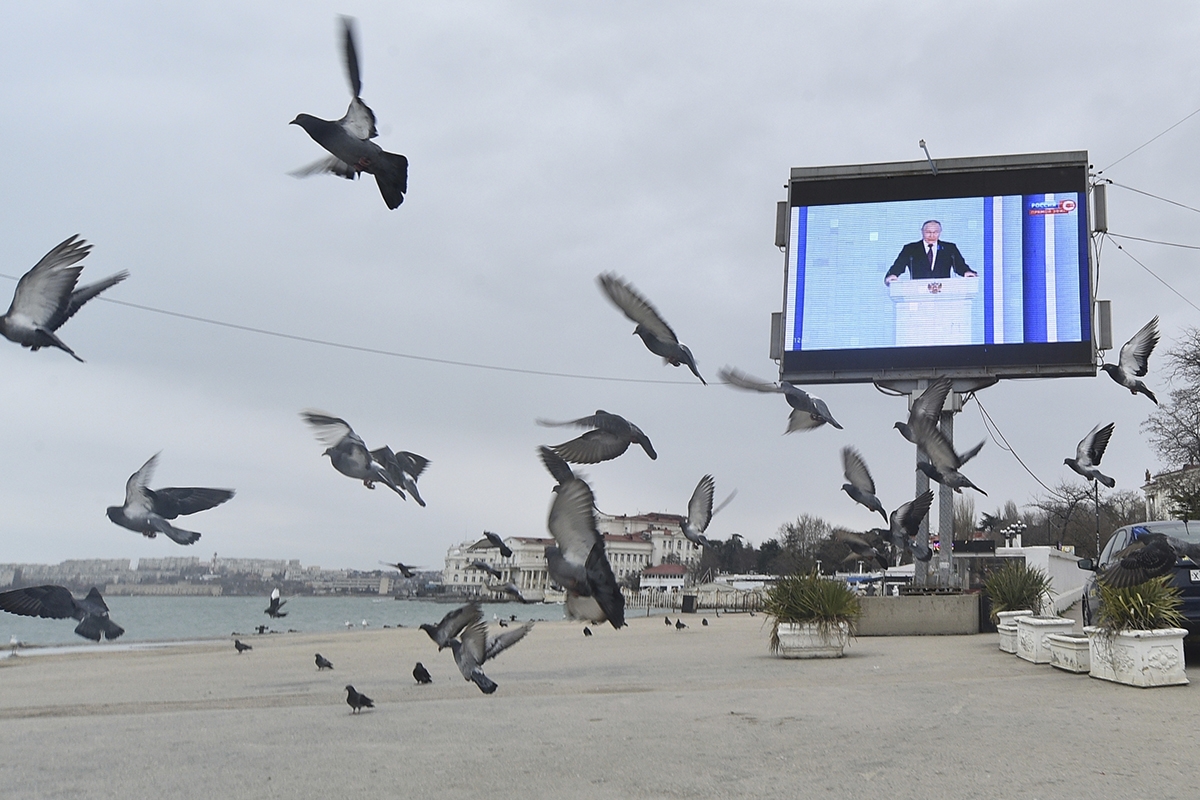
(645,712)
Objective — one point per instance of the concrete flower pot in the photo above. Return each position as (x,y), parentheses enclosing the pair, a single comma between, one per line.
(1137,658)
(1031,636)
(806,640)
(1069,651)
(1008,636)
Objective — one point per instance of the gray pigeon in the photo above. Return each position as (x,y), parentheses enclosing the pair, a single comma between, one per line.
(495,540)
(347,452)
(452,624)
(861,549)
(944,462)
(486,567)
(701,511)
(902,528)
(808,410)
(577,561)
(610,436)
(323,663)
(421,675)
(1089,452)
(404,468)
(1149,556)
(509,589)
(56,602)
(272,609)
(927,408)
(241,646)
(357,700)
(1133,361)
(405,569)
(146,510)
(861,487)
(349,139)
(46,297)
(655,332)
(475,649)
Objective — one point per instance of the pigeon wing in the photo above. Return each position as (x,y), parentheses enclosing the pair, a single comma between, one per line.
(1135,354)
(572,521)
(603,585)
(636,307)
(136,496)
(454,622)
(473,652)
(856,472)
(412,463)
(331,164)
(935,444)
(741,380)
(332,431)
(44,290)
(1091,448)
(81,296)
(174,501)
(49,602)
(359,121)
(928,407)
(555,465)
(350,53)
(907,518)
(499,644)
(700,507)
(593,447)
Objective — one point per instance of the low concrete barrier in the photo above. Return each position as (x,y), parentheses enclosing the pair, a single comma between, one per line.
(921,615)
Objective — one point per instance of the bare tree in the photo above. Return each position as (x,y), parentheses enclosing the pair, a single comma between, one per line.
(1068,517)
(1173,429)
(964,516)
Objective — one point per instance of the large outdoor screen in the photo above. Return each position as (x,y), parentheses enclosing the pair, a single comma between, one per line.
(981,269)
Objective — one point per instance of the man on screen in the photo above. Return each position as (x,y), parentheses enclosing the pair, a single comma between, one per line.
(929,258)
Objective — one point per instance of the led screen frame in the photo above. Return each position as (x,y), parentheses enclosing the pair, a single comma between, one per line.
(1020,225)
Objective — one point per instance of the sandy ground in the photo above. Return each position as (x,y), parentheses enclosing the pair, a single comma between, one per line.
(644,712)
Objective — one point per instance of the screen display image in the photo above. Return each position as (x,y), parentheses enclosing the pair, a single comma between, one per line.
(972,282)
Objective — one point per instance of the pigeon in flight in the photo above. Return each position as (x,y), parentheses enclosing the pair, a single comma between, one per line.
(902,528)
(452,624)
(486,567)
(1132,363)
(701,511)
(475,649)
(926,409)
(349,139)
(56,602)
(421,674)
(347,452)
(496,541)
(46,297)
(323,663)
(147,510)
(1149,556)
(509,589)
(272,610)
(357,700)
(808,410)
(241,646)
(861,549)
(577,561)
(944,462)
(405,569)
(1088,454)
(610,436)
(403,467)
(860,486)
(655,332)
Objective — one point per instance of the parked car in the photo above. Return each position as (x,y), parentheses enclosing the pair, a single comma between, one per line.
(1186,575)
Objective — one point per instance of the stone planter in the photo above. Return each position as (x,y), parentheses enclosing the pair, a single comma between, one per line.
(1031,636)
(1137,658)
(1069,651)
(1008,636)
(805,640)
(1005,617)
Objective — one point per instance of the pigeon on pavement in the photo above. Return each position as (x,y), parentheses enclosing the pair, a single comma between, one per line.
(1133,361)
(272,610)
(404,468)
(323,663)
(452,624)
(927,408)
(610,436)
(349,139)
(146,510)
(497,542)
(56,602)
(679,625)
(356,700)
(701,511)
(1089,452)
(655,332)
(808,410)
(46,297)
(421,674)
(861,487)
(347,452)
(475,649)
(241,646)
(1149,556)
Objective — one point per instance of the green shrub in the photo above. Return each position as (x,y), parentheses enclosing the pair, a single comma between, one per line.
(810,598)
(1149,605)
(1016,587)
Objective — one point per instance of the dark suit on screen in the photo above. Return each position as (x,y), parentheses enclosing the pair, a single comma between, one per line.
(914,258)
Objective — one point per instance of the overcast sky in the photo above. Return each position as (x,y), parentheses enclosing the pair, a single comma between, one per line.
(548,142)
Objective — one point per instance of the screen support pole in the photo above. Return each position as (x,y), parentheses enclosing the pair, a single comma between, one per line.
(946,513)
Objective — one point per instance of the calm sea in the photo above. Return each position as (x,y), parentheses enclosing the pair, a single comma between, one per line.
(164,619)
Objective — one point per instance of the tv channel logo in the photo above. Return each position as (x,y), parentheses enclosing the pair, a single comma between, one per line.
(1040,207)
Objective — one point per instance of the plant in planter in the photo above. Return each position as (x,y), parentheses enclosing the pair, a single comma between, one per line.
(812,617)
(1137,639)
(1017,587)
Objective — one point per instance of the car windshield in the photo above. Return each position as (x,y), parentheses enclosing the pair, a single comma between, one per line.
(1189,532)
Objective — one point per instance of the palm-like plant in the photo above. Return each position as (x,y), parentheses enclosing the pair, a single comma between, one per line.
(807,597)
(1016,587)
(1149,605)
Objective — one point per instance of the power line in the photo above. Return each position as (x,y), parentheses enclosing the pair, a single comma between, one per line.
(1160,280)
(989,425)
(1156,197)
(1156,241)
(373,350)
(1139,147)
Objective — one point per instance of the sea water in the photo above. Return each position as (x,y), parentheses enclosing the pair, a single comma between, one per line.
(166,619)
